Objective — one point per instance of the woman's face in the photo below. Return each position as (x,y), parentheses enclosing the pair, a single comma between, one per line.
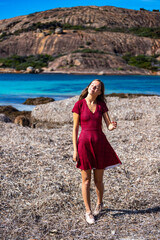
(94,88)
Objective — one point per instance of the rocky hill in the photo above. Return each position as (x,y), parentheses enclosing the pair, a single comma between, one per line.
(87,16)
(93,39)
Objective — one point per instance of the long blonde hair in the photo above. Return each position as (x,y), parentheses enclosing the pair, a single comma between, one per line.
(100,97)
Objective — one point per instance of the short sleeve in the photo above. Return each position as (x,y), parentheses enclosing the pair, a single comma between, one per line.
(104,107)
(76,108)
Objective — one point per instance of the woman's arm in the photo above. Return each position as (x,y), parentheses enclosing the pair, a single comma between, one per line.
(75,135)
(110,125)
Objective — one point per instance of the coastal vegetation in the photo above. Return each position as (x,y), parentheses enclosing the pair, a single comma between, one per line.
(151,32)
(39,61)
(145,32)
(22,62)
(88,50)
(12,24)
(143,61)
(41,26)
(138,31)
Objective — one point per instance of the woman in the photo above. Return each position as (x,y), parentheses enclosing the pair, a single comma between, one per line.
(92,150)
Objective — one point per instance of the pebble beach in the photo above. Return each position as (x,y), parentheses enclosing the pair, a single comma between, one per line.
(41,186)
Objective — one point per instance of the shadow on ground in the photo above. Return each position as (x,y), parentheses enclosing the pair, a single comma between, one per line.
(120,212)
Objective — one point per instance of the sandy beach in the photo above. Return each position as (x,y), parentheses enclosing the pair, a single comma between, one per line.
(41,186)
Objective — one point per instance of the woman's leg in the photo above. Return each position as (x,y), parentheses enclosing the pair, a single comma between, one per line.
(86,179)
(98,179)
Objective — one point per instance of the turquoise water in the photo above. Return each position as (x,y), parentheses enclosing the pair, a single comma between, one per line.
(16,88)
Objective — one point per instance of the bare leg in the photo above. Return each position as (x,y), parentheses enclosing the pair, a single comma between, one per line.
(98,179)
(86,179)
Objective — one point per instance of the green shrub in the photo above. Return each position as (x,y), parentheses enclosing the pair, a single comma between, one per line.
(25,23)
(12,24)
(18,32)
(22,62)
(145,32)
(88,50)
(142,61)
(4,35)
(73,27)
(142,9)
(43,26)
(88,43)
(31,15)
(120,68)
(139,31)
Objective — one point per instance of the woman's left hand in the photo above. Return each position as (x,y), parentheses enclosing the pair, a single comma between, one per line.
(112,126)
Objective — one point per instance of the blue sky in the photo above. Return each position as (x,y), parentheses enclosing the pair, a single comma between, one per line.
(13,8)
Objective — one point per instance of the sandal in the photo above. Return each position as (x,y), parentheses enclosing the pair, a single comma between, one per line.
(90,218)
(98,209)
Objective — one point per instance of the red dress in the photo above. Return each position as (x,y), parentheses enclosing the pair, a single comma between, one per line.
(95,152)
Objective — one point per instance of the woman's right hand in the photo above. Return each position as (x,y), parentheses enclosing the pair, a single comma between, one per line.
(75,156)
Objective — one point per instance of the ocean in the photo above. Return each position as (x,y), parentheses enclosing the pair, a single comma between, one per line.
(16,88)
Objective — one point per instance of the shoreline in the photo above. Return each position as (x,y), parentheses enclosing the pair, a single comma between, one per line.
(99,73)
(29,108)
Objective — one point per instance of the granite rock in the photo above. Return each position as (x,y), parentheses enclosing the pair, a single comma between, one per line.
(121,109)
(55,112)
(4,118)
(38,100)
(101,51)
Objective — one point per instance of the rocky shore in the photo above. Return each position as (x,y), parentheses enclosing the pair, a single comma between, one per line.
(85,72)
(41,187)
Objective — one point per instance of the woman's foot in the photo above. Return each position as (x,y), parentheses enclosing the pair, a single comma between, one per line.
(90,218)
(98,209)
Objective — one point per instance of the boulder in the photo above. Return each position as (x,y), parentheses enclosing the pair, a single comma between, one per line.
(77,62)
(8,109)
(120,109)
(101,73)
(38,100)
(4,118)
(60,112)
(37,70)
(22,121)
(58,30)
(38,30)
(30,70)
(55,112)
(90,63)
(12,112)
